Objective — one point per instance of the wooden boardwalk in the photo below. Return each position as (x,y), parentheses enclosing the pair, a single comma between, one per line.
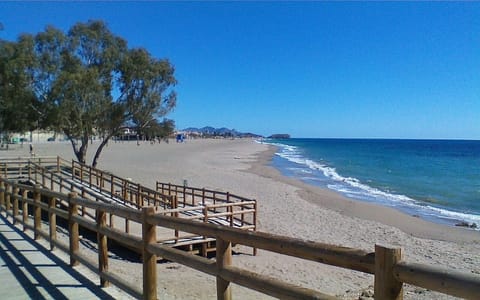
(28,270)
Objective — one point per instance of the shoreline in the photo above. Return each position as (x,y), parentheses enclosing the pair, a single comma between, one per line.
(332,200)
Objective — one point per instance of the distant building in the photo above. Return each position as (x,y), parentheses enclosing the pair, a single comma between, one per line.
(35,136)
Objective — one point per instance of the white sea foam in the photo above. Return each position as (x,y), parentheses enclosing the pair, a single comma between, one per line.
(352,187)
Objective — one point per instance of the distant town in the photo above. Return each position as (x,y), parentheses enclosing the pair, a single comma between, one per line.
(40,136)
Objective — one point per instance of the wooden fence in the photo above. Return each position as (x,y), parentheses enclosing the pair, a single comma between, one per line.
(60,175)
(211,206)
(237,211)
(386,263)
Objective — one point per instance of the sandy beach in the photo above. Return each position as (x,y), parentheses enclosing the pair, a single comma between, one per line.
(287,207)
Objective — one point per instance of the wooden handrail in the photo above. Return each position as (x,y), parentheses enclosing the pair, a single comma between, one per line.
(443,280)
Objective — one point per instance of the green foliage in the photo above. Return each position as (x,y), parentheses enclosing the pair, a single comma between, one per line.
(17,102)
(157,129)
(143,83)
(88,82)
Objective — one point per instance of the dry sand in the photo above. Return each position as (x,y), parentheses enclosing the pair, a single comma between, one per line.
(287,207)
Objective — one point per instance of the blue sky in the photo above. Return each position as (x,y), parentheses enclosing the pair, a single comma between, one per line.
(311,69)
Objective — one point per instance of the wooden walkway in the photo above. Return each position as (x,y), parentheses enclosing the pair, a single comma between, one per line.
(28,270)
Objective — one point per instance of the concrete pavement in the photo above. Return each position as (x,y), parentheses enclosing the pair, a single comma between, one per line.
(28,270)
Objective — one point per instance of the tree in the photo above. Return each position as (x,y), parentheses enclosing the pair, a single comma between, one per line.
(17,102)
(87,82)
(158,130)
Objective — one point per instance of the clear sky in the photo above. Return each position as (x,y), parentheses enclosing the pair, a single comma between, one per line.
(311,69)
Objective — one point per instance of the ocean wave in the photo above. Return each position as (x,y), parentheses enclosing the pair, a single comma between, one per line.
(354,188)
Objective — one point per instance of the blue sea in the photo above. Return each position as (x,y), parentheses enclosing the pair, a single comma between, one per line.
(438,180)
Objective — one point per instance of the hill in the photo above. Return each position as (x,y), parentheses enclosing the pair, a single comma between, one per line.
(209,131)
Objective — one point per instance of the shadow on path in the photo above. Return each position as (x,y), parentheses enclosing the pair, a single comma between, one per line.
(34,266)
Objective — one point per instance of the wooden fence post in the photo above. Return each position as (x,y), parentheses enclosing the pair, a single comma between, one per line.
(58,164)
(51,181)
(102,247)
(2,193)
(15,195)
(255,212)
(97,178)
(112,187)
(149,235)
(110,223)
(156,201)
(139,196)
(83,195)
(25,209)
(81,173)
(52,218)
(205,244)
(8,192)
(124,191)
(90,176)
(37,212)
(73,169)
(386,286)
(224,258)
(175,214)
(43,176)
(230,211)
(73,228)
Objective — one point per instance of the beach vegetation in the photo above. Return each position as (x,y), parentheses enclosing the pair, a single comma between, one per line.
(87,82)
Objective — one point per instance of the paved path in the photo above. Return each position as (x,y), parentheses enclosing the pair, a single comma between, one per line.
(29,271)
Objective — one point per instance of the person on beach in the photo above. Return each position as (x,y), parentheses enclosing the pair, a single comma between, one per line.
(31,149)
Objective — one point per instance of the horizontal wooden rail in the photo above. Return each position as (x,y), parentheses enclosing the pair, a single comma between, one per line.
(116,280)
(125,212)
(439,279)
(199,263)
(269,286)
(181,209)
(243,203)
(238,212)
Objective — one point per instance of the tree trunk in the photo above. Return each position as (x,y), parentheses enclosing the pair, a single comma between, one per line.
(81,152)
(99,150)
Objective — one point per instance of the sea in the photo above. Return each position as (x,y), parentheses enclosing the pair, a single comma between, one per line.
(437,180)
